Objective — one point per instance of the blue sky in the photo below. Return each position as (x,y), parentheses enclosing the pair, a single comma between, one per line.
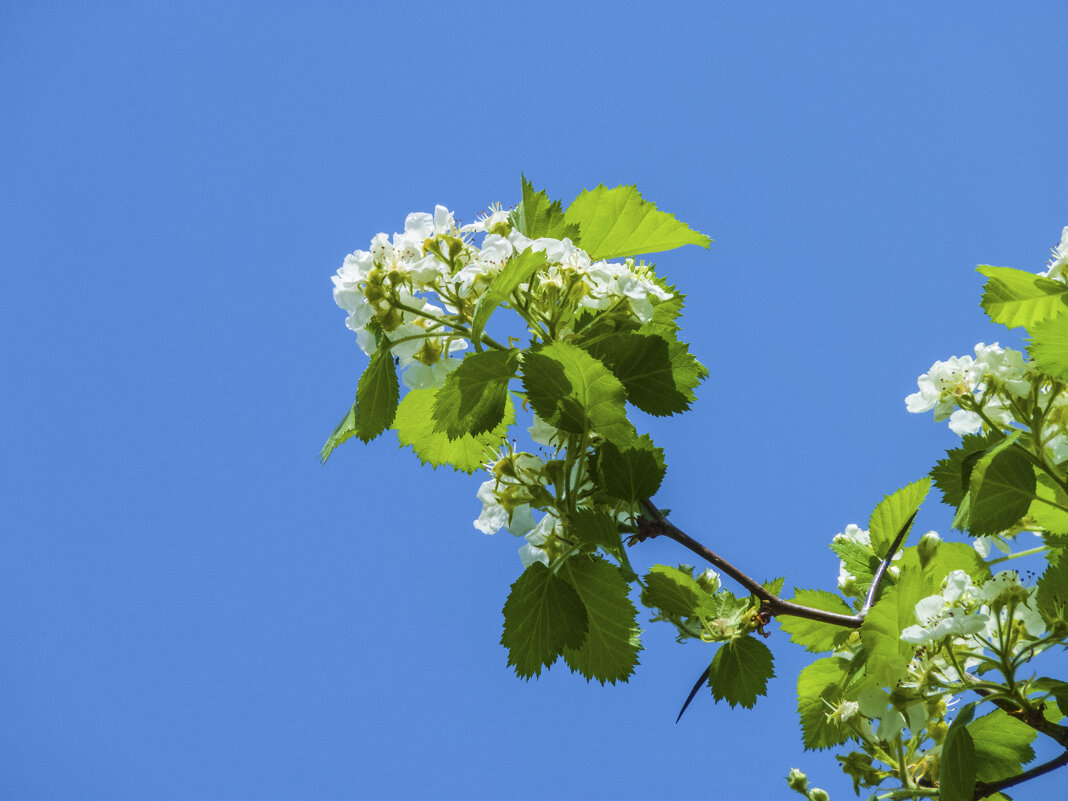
(192,607)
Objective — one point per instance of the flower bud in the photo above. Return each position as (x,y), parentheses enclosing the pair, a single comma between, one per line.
(797,781)
(928,547)
(709,581)
(816,794)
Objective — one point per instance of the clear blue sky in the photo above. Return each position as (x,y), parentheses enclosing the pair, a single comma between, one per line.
(191,607)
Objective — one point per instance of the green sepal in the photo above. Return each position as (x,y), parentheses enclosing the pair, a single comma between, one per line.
(518,270)
(414,423)
(473,398)
(1016,297)
(956,774)
(1002,745)
(1048,348)
(819,690)
(619,222)
(610,651)
(740,671)
(537,216)
(880,633)
(542,616)
(571,390)
(893,512)
(631,473)
(812,634)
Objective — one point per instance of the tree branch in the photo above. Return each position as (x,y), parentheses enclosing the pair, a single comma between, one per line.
(656,525)
(983,789)
(883,565)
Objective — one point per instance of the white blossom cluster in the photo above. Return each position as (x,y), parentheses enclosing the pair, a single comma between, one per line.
(421,287)
(977,617)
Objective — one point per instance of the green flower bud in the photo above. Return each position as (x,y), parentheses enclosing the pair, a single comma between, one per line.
(797,781)
(816,794)
(928,547)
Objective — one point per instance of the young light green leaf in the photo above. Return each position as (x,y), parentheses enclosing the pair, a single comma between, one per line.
(956,775)
(343,431)
(1058,689)
(858,559)
(1049,347)
(575,392)
(948,473)
(1048,507)
(676,593)
(630,473)
(819,692)
(542,616)
(1002,745)
(517,271)
(812,634)
(1016,297)
(415,423)
(619,222)
(643,364)
(880,633)
(893,512)
(537,216)
(473,397)
(610,651)
(740,671)
(1000,491)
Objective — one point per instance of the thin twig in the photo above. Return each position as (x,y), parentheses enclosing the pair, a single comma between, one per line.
(658,525)
(983,789)
(883,565)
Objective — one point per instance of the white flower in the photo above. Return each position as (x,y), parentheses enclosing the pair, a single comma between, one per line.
(545,434)
(1057,268)
(426,376)
(1003,364)
(494,516)
(940,386)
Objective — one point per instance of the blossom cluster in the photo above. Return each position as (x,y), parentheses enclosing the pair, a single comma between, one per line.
(420,287)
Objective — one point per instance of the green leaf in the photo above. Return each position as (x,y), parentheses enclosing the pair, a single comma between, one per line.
(643,364)
(812,634)
(1016,297)
(594,528)
(631,473)
(542,616)
(1049,347)
(858,559)
(676,593)
(880,633)
(948,473)
(517,271)
(893,513)
(1059,690)
(740,671)
(376,402)
(474,395)
(774,586)
(1001,489)
(619,222)
(956,775)
(950,556)
(1002,745)
(1051,596)
(344,430)
(415,428)
(575,392)
(610,651)
(1042,509)
(685,369)
(819,690)
(537,216)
